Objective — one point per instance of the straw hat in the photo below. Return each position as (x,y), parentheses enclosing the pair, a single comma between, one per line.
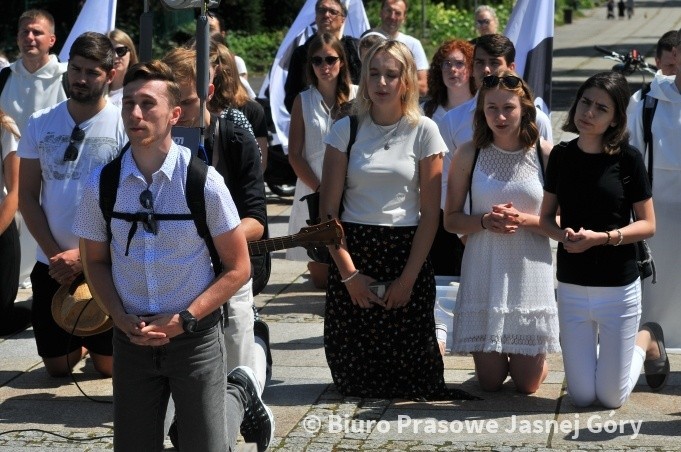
(74,303)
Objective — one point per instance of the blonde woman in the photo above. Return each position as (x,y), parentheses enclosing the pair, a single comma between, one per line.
(380,338)
(12,318)
(126,56)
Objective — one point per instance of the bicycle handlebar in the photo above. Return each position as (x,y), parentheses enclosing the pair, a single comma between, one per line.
(629,63)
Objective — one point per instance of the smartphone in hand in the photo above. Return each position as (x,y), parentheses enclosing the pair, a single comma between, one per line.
(379,288)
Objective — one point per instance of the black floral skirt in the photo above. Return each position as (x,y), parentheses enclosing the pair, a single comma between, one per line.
(380,353)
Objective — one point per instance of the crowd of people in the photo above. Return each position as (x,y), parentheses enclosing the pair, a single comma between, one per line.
(433,168)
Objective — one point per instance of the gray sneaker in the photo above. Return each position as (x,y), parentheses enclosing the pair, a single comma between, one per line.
(258,423)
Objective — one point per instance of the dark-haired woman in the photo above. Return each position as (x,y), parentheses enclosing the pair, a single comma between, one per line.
(505,312)
(596,180)
(314,110)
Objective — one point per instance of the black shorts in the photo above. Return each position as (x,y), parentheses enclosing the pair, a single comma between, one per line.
(52,341)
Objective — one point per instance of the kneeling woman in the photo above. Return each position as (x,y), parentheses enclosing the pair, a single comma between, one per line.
(505,311)
(384,345)
(596,181)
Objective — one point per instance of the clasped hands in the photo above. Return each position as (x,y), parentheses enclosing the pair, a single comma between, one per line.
(397,295)
(152,331)
(580,241)
(65,266)
(503,219)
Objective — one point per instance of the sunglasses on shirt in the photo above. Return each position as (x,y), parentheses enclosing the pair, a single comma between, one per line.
(318,61)
(71,152)
(509,81)
(149,222)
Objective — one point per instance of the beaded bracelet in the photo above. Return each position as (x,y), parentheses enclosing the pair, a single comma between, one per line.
(620,238)
(482,222)
(352,275)
(607,242)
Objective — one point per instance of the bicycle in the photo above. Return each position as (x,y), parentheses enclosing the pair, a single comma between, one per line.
(628,64)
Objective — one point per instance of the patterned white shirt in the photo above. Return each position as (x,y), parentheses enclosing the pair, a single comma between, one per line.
(162,273)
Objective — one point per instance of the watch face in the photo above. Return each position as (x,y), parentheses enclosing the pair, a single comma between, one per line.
(189,322)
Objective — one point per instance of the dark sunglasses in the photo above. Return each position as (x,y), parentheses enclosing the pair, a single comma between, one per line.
(482,22)
(149,222)
(509,81)
(71,152)
(121,51)
(333,12)
(330,60)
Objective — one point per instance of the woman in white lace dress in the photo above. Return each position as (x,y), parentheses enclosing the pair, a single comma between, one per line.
(314,110)
(506,312)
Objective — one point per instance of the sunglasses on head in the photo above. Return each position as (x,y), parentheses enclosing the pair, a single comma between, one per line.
(71,152)
(509,81)
(318,61)
(149,222)
(121,51)
(482,22)
(333,12)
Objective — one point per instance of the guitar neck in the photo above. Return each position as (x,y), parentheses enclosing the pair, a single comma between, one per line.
(275,244)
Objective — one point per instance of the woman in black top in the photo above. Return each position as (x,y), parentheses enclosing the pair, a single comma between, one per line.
(596,181)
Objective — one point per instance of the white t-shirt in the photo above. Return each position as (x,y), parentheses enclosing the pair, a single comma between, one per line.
(46,137)
(383,184)
(416,48)
(240,65)
(456,128)
(8,143)
(116,97)
(26,93)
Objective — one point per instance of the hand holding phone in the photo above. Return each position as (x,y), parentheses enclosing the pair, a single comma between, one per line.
(379,288)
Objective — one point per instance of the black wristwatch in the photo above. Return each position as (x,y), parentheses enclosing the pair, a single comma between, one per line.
(189,322)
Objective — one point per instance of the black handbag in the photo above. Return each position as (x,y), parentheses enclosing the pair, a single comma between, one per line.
(644,260)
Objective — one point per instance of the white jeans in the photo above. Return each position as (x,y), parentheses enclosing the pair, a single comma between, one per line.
(239,331)
(598,327)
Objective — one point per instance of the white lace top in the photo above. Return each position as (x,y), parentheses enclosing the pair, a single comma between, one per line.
(506,300)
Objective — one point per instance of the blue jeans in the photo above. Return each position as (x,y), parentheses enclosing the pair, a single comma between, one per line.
(192,368)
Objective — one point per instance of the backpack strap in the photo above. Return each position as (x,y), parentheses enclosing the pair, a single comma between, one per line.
(649,107)
(540,157)
(4,75)
(470,181)
(108,188)
(197,173)
(354,123)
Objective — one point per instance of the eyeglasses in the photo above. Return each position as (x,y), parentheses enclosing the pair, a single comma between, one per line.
(318,61)
(332,12)
(149,222)
(482,22)
(71,152)
(457,64)
(121,51)
(509,81)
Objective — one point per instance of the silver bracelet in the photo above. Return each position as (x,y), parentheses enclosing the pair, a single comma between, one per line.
(621,237)
(352,275)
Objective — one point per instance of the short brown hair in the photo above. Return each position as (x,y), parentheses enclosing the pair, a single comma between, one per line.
(155,70)
(32,15)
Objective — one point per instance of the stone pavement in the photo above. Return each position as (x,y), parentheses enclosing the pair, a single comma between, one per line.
(310,414)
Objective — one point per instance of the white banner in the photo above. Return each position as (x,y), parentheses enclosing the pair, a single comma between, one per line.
(96,15)
(302,29)
(530,27)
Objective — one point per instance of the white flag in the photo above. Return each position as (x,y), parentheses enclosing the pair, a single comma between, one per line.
(303,28)
(96,15)
(530,27)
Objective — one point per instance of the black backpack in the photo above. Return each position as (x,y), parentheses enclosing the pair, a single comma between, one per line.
(196,180)
(649,107)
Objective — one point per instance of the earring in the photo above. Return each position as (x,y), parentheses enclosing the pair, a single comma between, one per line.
(365,97)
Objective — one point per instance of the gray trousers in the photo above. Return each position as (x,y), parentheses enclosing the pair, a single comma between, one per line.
(192,369)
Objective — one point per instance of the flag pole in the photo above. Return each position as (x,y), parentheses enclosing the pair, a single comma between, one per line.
(202,72)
